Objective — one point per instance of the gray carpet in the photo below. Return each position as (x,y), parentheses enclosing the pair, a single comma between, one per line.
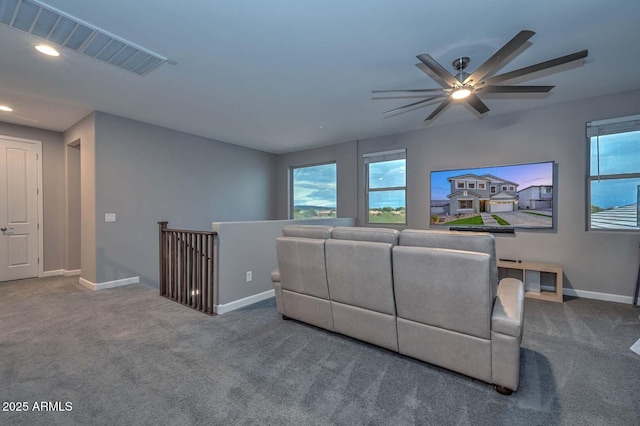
(126,356)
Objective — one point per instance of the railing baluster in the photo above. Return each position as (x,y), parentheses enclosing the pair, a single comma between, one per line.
(198,265)
(176,294)
(206,273)
(186,267)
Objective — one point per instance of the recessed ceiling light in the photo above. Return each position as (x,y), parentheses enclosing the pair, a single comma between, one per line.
(47,50)
(5,108)
(320,126)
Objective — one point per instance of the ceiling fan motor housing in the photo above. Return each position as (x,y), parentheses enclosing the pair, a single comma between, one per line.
(460,63)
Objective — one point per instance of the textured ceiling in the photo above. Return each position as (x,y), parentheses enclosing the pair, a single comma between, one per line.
(267,74)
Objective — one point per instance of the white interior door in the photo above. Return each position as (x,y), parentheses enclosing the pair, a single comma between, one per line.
(18,210)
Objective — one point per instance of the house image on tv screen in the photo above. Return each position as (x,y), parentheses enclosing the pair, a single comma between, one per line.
(478,194)
(536,197)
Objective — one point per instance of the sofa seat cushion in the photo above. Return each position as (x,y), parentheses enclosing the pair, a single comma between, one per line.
(302,266)
(363,324)
(307,231)
(456,351)
(374,235)
(359,274)
(480,242)
(309,309)
(444,288)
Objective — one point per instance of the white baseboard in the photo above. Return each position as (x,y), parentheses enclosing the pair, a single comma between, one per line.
(53,273)
(108,284)
(608,297)
(59,272)
(241,303)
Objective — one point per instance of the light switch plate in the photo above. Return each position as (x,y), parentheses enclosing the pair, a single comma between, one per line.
(109,217)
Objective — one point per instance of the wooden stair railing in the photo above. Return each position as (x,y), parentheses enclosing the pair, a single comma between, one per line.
(186,267)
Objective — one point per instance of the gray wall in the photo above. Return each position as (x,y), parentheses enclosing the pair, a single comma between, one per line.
(84,131)
(604,262)
(74,211)
(345,155)
(251,246)
(52,191)
(146,174)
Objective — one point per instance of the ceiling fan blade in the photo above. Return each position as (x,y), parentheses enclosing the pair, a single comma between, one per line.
(437,71)
(413,104)
(515,89)
(402,97)
(424,105)
(436,112)
(498,59)
(475,102)
(537,67)
(407,90)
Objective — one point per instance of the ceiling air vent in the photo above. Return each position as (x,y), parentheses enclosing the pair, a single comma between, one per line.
(64,30)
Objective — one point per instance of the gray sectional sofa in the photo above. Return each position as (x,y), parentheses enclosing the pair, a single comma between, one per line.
(430,295)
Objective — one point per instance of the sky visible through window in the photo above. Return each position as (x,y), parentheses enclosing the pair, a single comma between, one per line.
(315,186)
(387,174)
(618,154)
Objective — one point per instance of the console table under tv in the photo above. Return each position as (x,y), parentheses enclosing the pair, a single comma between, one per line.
(531,275)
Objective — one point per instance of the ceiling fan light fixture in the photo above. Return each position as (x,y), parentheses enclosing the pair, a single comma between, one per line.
(460,93)
(47,50)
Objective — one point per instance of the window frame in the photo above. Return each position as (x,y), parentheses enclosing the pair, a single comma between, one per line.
(399,154)
(466,200)
(596,129)
(291,214)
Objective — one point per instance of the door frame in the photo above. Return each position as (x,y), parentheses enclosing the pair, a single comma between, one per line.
(40,237)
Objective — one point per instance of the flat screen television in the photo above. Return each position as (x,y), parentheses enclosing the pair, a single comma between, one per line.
(511,197)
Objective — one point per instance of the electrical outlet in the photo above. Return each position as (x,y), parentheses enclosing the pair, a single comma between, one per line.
(249,276)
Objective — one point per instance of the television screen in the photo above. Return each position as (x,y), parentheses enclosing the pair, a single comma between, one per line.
(518,196)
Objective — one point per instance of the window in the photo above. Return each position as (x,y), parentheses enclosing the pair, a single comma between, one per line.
(481,185)
(613,184)
(512,188)
(460,184)
(313,191)
(493,189)
(386,187)
(471,185)
(465,204)
(504,187)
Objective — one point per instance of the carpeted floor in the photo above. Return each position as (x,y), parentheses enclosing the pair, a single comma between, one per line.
(126,356)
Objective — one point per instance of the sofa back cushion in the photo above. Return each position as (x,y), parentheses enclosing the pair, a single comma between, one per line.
(374,235)
(444,288)
(480,242)
(359,274)
(301,264)
(307,231)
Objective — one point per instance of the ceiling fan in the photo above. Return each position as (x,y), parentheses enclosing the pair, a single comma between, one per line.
(464,87)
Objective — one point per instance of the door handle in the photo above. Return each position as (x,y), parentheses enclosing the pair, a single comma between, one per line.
(5,229)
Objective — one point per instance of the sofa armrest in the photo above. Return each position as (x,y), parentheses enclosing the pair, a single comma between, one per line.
(275,275)
(277,287)
(508,308)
